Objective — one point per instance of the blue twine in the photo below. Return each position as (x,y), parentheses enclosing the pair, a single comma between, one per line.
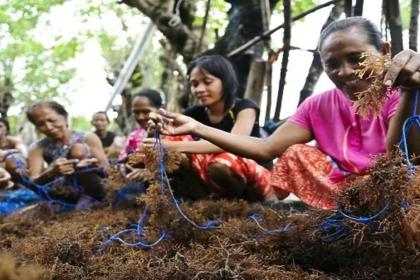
(164,178)
(267,232)
(14,200)
(138,229)
(42,190)
(335,229)
(414,119)
(364,220)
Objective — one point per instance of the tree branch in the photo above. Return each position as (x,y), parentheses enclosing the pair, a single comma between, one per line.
(266,34)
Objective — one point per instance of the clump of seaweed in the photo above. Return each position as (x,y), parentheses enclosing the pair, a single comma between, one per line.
(10,270)
(283,245)
(372,68)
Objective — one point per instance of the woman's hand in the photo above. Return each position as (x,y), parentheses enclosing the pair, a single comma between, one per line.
(172,123)
(136,174)
(63,166)
(404,70)
(5,177)
(87,162)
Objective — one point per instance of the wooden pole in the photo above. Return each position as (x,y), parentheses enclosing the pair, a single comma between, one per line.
(255,83)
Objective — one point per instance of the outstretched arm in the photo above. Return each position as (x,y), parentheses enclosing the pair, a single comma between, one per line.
(243,126)
(404,71)
(250,147)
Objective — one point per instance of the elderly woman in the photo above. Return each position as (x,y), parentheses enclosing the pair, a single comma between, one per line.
(66,153)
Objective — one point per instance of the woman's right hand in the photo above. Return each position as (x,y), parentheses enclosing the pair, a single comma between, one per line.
(172,123)
(63,166)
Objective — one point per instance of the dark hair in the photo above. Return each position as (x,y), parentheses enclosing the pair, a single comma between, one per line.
(6,124)
(153,95)
(103,113)
(220,67)
(370,29)
(57,107)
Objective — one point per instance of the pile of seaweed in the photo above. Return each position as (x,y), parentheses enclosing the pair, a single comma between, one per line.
(374,235)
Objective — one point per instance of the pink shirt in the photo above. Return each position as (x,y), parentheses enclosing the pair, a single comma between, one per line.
(134,140)
(345,136)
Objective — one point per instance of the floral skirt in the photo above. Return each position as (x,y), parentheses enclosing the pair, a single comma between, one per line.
(255,176)
(309,174)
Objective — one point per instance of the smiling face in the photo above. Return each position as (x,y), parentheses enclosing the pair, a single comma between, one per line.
(340,54)
(50,123)
(208,89)
(141,107)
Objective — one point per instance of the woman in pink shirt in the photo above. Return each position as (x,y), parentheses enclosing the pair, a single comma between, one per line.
(346,141)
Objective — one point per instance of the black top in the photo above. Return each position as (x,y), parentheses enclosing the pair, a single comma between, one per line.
(52,150)
(108,140)
(199,113)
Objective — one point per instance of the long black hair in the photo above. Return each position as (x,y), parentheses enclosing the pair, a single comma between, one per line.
(151,94)
(220,67)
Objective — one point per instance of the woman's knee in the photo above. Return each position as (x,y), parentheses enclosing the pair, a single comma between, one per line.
(78,151)
(219,172)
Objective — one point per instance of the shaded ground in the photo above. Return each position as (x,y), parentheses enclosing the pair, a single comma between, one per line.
(307,245)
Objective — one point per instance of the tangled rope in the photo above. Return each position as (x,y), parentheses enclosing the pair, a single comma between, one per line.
(42,190)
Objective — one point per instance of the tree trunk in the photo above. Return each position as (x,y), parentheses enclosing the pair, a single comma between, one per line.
(348,8)
(255,84)
(316,69)
(287,11)
(414,25)
(240,30)
(266,18)
(393,19)
(358,8)
(177,28)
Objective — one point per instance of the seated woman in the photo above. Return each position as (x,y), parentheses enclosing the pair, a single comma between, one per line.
(346,141)
(213,82)
(66,152)
(10,145)
(8,142)
(100,122)
(142,103)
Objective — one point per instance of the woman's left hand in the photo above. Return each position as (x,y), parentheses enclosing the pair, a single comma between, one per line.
(404,70)
(87,162)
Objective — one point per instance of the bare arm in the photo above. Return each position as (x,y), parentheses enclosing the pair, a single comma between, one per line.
(95,145)
(256,148)
(404,72)
(36,166)
(251,147)
(19,145)
(243,126)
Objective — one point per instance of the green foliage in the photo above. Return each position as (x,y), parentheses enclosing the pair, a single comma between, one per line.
(30,67)
(298,6)
(217,19)
(405,10)
(80,123)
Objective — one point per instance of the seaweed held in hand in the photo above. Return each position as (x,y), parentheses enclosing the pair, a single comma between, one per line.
(372,68)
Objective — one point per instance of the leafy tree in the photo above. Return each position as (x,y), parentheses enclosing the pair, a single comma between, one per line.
(31,67)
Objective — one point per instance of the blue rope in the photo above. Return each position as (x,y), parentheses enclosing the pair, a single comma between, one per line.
(414,119)
(42,190)
(364,220)
(267,232)
(138,229)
